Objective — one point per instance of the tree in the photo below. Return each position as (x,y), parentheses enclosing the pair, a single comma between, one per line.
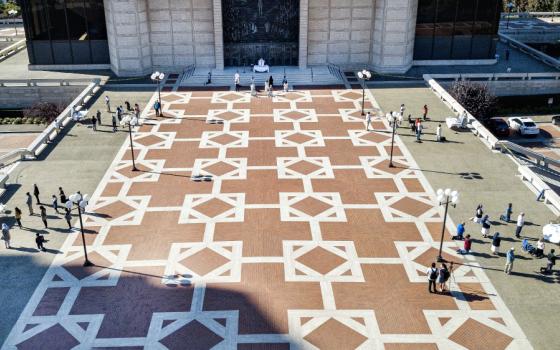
(475,98)
(8,6)
(43,110)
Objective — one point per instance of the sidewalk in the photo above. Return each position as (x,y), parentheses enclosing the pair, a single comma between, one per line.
(77,162)
(483,176)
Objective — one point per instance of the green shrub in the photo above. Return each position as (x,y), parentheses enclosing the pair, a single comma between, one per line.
(18,121)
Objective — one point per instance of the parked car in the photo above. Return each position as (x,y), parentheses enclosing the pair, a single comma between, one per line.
(556,119)
(498,127)
(523,125)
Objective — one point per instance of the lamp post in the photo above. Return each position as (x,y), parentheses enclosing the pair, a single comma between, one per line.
(445,197)
(393,119)
(510,5)
(131,121)
(364,76)
(80,202)
(13,13)
(158,78)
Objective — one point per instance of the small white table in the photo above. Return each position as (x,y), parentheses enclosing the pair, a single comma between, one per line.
(551,233)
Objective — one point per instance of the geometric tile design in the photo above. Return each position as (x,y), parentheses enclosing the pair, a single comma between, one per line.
(264,254)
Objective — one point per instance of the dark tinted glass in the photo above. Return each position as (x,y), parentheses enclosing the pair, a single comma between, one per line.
(456,29)
(65,31)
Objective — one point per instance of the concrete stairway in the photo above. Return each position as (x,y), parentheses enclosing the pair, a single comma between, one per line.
(295,76)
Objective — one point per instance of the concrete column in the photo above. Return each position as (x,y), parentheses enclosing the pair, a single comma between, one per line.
(393,35)
(128,37)
(303,30)
(218,35)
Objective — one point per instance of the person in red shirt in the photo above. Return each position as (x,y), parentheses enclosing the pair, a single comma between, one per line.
(467,243)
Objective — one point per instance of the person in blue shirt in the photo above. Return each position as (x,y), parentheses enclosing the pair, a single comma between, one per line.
(510,257)
(460,232)
(507,214)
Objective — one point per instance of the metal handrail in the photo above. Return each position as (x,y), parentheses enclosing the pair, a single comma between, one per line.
(12,49)
(551,61)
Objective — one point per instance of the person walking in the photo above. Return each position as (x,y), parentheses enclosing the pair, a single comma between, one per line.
(368,120)
(403,108)
(120,112)
(157,108)
(551,261)
(443,275)
(467,244)
(237,81)
(94,123)
(114,121)
(432,274)
(55,203)
(506,216)
(29,202)
(419,128)
(496,240)
(127,104)
(520,224)
(438,133)
(425,113)
(6,237)
(98,117)
(36,193)
(270,82)
(68,218)
(485,222)
(510,257)
(40,241)
(108,103)
(44,215)
(62,196)
(478,214)
(137,110)
(17,216)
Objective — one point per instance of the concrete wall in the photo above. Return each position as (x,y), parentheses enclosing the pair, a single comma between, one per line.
(339,31)
(26,96)
(519,87)
(393,36)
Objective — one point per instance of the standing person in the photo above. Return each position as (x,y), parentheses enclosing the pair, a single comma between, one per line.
(120,112)
(485,222)
(6,237)
(478,214)
(68,218)
(467,244)
(36,193)
(443,275)
(460,232)
(137,110)
(419,128)
(411,124)
(496,240)
(510,257)
(270,82)
(127,104)
(40,240)
(368,120)
(438,133)
(62,195)
(108,103)
(209,79)
(237,81)
(98,117)
(270,91)
(114,121)
(94,123)
(403,108)
(285,85)
(43,215)
(551,261)
(520,224)
(432,274)
(55,203)
(425,112)
(29,202)
(507,215)
(17,216)
(157,107)
(539,253)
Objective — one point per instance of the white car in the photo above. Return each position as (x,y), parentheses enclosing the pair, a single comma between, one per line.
(523,125)
(551,233)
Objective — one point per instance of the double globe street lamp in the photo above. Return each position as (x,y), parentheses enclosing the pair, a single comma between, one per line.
(80,202)
(444,198)
(364,76)
(130,121)
(158,78)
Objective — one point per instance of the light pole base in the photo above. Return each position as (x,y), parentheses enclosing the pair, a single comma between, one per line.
(391,165)
(88,263)
(441,259)
(134,169)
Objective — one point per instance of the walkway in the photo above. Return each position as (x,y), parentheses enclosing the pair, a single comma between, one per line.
(482,176)
(254,221)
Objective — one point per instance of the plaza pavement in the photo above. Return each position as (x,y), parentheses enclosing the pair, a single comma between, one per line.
(77,162)
(490,178)
(301,235)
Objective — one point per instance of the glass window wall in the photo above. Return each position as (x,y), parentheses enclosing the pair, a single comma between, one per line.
(65,31)
(457,29)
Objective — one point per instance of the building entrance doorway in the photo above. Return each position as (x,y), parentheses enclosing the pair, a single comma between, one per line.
(255,29)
